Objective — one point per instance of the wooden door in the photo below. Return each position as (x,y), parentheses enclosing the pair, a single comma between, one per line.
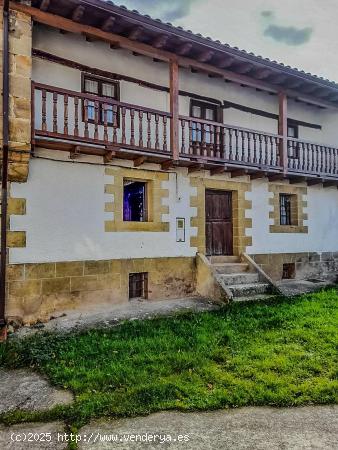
(218,227)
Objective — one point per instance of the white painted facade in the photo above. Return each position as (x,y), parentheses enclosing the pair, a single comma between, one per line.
(66,201)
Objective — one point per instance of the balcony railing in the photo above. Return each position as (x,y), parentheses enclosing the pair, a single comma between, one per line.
(85,118)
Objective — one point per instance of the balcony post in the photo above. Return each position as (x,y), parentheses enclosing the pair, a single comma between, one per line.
(174,123)
(283,130)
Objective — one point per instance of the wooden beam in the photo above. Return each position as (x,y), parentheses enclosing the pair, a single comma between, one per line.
(174,109)
(276,177)
(44,5)
(135,33)
(218,170)
(139,161)
(205,56)
(78,13)
(296,180)
(195,167)
(108,24)
(327,184)
(160,41)
(75,152)
(225,62)
(257,175)
(283,130)
(109,155)
(168,164)
(239,173)
(243,68)
(184,48)
(261,74)
(314,181)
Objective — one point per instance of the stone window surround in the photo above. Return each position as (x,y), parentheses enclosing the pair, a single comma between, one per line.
(240,205)
(297,209)
(155,196)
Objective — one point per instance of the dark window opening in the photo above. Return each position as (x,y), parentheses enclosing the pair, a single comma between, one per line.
(205,111)
(134,201)
(289,271)
(293,146)
(101,88)
(285,201)
(138,285)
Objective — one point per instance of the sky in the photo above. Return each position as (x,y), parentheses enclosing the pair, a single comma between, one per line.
(299,33)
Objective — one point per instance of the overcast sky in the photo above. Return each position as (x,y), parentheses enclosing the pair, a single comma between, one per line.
(301,33)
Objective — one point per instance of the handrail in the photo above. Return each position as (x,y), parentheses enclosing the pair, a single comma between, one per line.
(93,97)
(225,125)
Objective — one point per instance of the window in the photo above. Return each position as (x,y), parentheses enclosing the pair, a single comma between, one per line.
(134,201)
(289,271)
(138,285)
(285,201)
(101,88)
(205,111)
(293,146)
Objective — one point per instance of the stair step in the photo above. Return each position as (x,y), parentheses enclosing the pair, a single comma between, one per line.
(250,289)
(254,298)
(224,259)
(238,278)
(227,268)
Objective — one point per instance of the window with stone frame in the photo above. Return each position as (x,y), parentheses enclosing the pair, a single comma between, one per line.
(135,201)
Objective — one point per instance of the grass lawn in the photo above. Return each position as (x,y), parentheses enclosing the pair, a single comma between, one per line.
(282,352)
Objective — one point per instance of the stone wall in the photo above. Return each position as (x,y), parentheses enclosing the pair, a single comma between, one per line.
(307,265)
(37,291)
(20,69)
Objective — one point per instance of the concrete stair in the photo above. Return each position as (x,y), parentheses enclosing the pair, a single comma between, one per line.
(238,279)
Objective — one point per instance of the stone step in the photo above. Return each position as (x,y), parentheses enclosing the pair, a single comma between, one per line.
(224,259)
(227,268)
(254,298)
(250,289)
(238,278)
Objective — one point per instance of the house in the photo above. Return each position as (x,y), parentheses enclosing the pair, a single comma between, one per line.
(145,159)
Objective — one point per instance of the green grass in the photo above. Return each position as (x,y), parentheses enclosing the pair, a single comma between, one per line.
(282,352)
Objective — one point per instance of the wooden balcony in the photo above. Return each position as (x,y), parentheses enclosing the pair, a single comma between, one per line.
(85,123)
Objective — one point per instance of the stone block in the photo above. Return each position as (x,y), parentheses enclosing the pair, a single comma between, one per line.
(15,272)
(20,130)
(37,271)
(16,239)
(69,269)
(26,288)
(18,172)
(96,267)
(17,206)
(55,286)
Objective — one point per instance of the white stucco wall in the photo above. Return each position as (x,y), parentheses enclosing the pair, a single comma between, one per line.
(99,55)
(322,222)
(65,216)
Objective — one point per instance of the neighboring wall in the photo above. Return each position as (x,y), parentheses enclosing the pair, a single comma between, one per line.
(99,55)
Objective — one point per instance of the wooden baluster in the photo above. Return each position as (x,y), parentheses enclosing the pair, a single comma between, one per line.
(218,142)
(317,158)
(96,120)
(230,143)
(132,126)
(335,161)
(124,125)
(105,122)
(157,142)
(266,152)
(236,144)
(165,144)
(254,135)
(243,135)
(115,124)
(321,159)
(211,143)
(76,116)
(204,144)
(249,155)
(223,142)
(65,129)
(183,135)
(55,112)
(190,147)
(140,129)
(148,129)
(86,132)
(260,149)
(44,110)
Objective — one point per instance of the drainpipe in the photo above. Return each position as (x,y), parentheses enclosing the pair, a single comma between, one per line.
(4,178)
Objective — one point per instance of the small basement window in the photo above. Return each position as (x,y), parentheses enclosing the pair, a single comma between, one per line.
(289,271)
(134,201)
(138,285)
